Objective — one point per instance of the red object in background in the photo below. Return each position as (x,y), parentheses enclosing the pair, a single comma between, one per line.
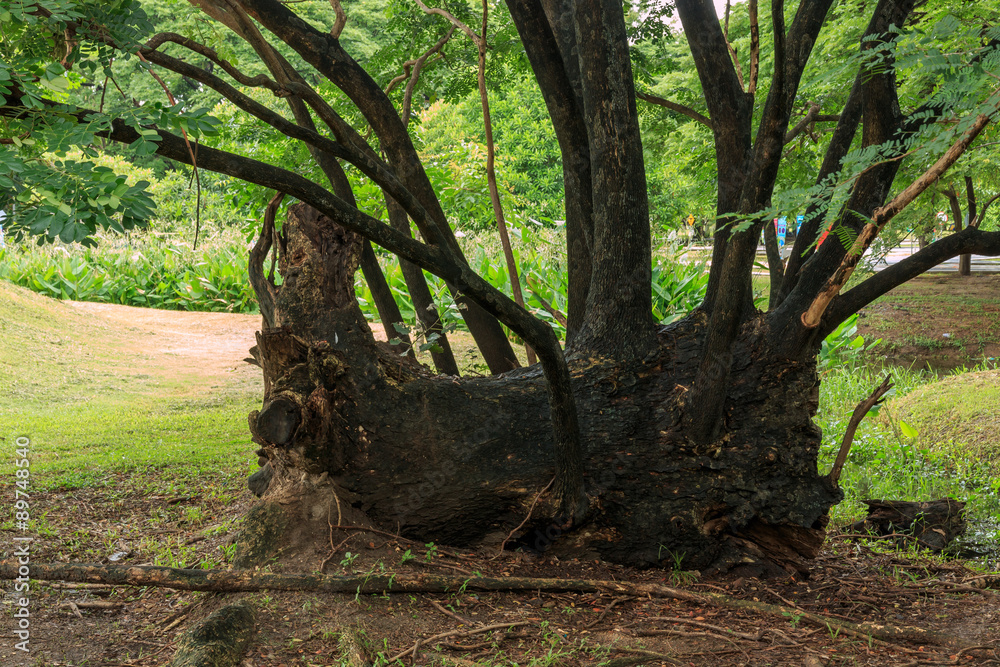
(822,237)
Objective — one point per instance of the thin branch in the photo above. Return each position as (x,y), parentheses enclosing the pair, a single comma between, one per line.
(338,25)
(367,163)
(982,212)
(10,141)
(969,240)
(552,310)
(754,47)
(418,65)
(813,315)
(729,45)
(263,286)
(194,157)
(261,80)
(527,517)
(409,64)
(251,580)
(863,408)
(812,116)
(491,175)
(451,19)
(674,106)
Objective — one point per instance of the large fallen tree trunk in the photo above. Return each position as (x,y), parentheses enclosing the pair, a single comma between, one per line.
(451,460)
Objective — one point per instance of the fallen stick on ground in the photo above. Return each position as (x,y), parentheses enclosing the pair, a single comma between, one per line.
(234,581)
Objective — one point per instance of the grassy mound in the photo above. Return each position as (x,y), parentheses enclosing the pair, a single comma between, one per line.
(958,414)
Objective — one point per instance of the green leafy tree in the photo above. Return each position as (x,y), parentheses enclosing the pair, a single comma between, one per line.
(692,438)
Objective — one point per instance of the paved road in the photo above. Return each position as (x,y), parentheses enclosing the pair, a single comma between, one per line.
(979,262)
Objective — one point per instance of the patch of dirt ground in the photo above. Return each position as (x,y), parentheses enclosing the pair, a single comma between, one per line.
(941,320)
(141,518)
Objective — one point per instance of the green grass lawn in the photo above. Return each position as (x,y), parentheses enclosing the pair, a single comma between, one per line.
(93,401)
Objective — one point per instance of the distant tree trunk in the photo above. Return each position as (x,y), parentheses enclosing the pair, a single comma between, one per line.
(965,260)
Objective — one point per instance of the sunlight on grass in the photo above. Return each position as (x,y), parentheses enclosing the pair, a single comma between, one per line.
(93,401)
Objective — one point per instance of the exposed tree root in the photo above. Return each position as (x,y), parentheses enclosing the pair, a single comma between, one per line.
(232,581)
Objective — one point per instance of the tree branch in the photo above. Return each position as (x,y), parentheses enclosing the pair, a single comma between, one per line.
(812,316)
(451,19)
(338,25)
(328,57)
(246,580)
(812,116)
(729,44)
(875,398)
(674,106)
(551,49)
(754,48)
(411,71)
(969,240)
(367,164)
(436,259)
(982,211)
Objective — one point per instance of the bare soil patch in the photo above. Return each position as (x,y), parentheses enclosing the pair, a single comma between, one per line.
(939,320)
(136,627)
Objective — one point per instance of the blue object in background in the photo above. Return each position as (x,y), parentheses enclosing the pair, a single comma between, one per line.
(798,223)
(781,228)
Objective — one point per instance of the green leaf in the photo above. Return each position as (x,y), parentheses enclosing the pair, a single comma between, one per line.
(908,430)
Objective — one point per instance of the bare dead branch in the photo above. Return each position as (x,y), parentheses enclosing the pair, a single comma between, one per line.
(451,19)
(674,106)
(875,398)
(729,45)
(251,580)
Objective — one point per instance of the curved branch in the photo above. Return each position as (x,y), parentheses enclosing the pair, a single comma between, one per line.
(674,106)
(813,315)
(451,19)
(263,286)
(369,166)
(338,25)
(968,241)
(982,212)
(435,259)
(328,57)
(418,65)
(259,81)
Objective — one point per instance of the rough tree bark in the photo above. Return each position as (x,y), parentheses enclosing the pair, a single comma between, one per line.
(453,461)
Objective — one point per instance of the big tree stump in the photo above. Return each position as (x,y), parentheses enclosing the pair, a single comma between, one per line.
(351,429)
